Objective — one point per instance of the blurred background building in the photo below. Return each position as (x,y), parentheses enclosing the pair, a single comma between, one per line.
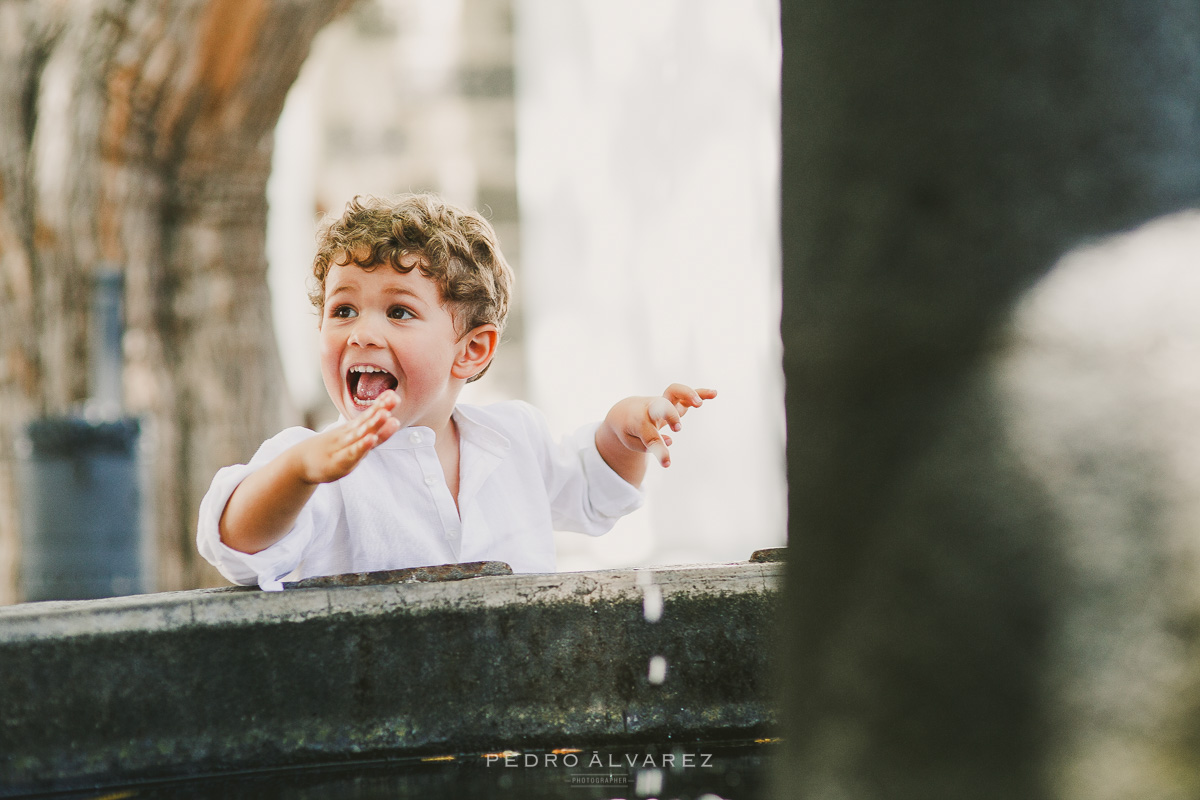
(631,172)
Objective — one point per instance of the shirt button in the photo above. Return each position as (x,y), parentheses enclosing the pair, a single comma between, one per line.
(452,533)
(414,437)
(429,480)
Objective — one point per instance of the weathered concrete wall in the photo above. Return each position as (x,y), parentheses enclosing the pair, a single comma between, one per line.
(104,691)
(984,596)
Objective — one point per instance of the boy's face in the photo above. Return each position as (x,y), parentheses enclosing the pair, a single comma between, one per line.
(389,330)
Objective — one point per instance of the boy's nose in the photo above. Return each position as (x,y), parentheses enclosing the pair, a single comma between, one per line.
(366,333)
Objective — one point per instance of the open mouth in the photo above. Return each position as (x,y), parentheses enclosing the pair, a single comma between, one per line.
(367,382)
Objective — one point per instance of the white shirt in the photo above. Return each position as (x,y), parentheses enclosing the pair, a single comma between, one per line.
(395,510)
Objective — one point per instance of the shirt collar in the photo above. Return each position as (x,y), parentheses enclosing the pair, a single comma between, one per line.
(479,434)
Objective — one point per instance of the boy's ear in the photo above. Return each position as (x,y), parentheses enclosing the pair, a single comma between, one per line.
(475,351)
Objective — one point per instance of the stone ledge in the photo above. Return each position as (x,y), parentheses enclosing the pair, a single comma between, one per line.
(103,692)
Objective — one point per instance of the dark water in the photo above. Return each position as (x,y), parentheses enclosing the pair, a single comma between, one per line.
(694,771)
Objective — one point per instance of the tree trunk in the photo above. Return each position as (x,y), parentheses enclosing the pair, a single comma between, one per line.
(136,135)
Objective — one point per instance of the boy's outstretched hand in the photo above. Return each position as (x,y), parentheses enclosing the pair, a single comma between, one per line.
(266,504)
(631,429)
(332,455)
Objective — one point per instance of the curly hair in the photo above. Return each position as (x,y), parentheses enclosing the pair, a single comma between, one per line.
(460,249)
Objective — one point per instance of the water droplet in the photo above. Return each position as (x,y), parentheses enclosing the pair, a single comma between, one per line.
(652,603)
(658,670)
(644,577)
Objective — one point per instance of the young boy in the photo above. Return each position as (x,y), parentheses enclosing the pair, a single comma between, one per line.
(413,295)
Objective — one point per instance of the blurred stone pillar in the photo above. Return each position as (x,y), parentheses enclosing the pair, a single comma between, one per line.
(944,627)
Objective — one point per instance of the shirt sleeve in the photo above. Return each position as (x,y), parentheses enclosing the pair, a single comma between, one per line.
(266,567)
(586,494)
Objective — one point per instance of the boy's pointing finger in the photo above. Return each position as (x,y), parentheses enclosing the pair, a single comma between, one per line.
(685,397)
(678,393)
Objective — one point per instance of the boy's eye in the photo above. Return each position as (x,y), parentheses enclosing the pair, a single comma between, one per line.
(343,312)
(399,312)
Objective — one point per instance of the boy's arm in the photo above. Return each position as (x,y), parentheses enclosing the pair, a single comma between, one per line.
(267,503)
(631,429)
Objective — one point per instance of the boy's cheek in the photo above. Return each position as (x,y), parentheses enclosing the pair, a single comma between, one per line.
(334,387)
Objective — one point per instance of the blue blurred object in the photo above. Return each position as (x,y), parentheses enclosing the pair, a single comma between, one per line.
(81,531)
(80,488)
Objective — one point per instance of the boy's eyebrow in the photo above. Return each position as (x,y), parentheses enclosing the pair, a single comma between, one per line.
(401,290)
(347,287)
